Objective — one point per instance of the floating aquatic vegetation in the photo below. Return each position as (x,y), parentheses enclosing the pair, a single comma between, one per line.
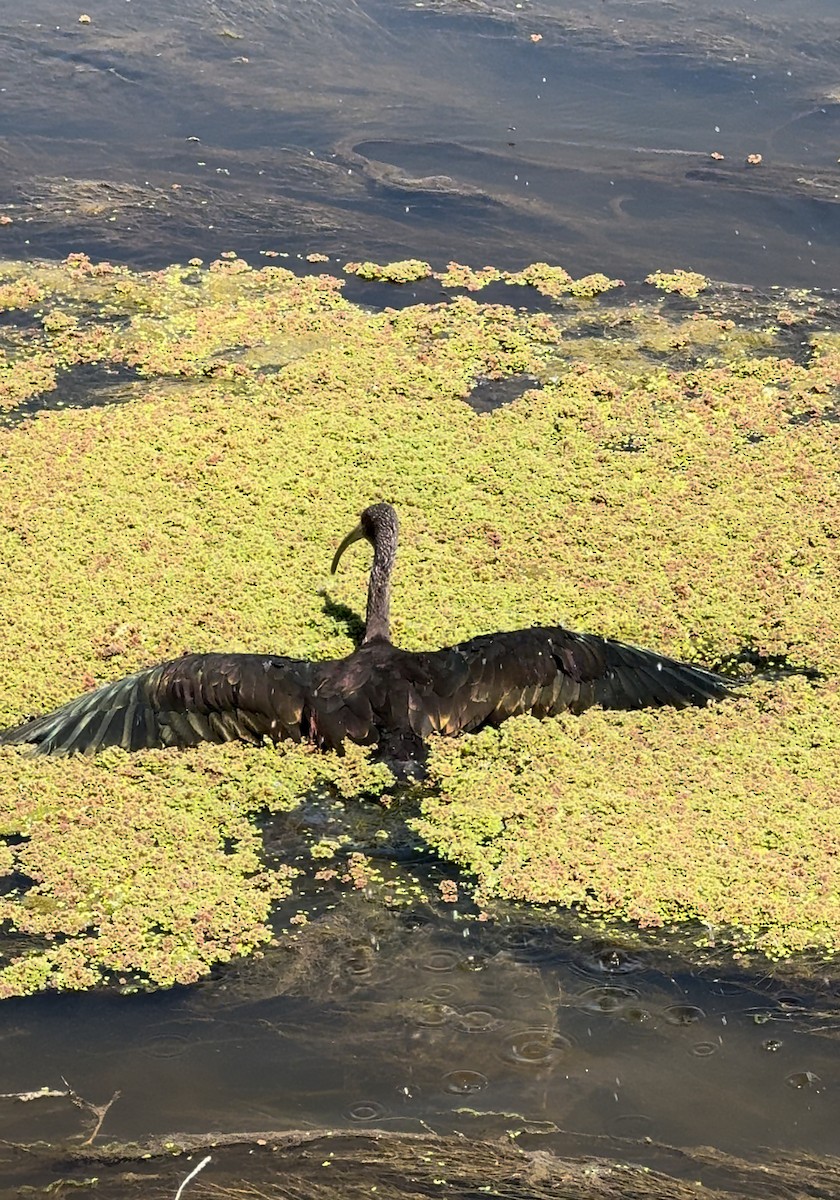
(717,816)
(592,285)
(687,283)
(673,483)
(547,279)
(409,270)
(555,282)
(457,275)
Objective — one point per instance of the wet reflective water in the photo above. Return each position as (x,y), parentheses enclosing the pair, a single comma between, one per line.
(602,135)
(419,1022)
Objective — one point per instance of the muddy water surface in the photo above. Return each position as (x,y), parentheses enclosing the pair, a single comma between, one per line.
(477,131)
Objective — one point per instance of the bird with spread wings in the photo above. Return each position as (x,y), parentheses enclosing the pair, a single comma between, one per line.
(378,695)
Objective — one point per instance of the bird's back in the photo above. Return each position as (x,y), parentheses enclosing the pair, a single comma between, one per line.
(397,698)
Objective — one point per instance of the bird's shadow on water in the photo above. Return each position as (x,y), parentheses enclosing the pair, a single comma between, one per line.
(342,615)
(769,667)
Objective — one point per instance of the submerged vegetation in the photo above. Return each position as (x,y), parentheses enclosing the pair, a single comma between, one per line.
(673,482)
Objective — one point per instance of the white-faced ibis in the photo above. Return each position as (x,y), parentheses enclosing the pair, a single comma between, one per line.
(379,694)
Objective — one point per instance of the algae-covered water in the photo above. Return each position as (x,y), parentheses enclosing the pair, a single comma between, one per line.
(189,500)
(593,956)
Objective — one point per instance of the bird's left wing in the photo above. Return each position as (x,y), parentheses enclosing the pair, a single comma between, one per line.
(544,671)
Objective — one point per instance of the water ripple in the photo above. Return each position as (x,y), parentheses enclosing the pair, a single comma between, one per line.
(462,1083)
(608,999)
(536,1047)
(683,1014)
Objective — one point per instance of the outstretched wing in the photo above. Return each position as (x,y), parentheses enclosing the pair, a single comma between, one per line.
(198,698)
(546,671)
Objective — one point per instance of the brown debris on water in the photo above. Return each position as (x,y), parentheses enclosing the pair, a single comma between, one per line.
(355,1164)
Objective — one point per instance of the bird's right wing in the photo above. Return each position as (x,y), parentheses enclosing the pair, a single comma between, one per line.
(546,671)
(198,698)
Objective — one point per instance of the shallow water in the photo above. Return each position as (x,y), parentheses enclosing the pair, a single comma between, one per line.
(419,1021)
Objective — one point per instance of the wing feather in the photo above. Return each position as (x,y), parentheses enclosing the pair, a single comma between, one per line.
(201,697)
(552,670)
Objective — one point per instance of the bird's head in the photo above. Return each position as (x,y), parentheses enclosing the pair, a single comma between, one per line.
(378,524)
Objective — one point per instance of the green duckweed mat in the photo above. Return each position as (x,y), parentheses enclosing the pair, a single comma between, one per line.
(674,482)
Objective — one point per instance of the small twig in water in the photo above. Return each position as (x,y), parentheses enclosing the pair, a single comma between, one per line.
(192,1175)
(98,1110)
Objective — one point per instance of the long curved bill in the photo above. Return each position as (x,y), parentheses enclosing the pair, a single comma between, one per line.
(355,535)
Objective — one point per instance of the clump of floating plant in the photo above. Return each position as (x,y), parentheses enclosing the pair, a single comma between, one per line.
(457,275)
(548,280)
(676,491)
(49,340)
(20,380)
(588,286)
(686,283)
(714,815)
(555,282)
(408,270)
(452,345)
(19,293)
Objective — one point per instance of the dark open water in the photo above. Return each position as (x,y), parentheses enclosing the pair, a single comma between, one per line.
(420,1022)
(376,128)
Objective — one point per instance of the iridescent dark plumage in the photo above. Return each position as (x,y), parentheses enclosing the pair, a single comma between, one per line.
(379,694)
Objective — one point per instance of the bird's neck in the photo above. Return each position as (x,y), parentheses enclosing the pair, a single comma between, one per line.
(378,621)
